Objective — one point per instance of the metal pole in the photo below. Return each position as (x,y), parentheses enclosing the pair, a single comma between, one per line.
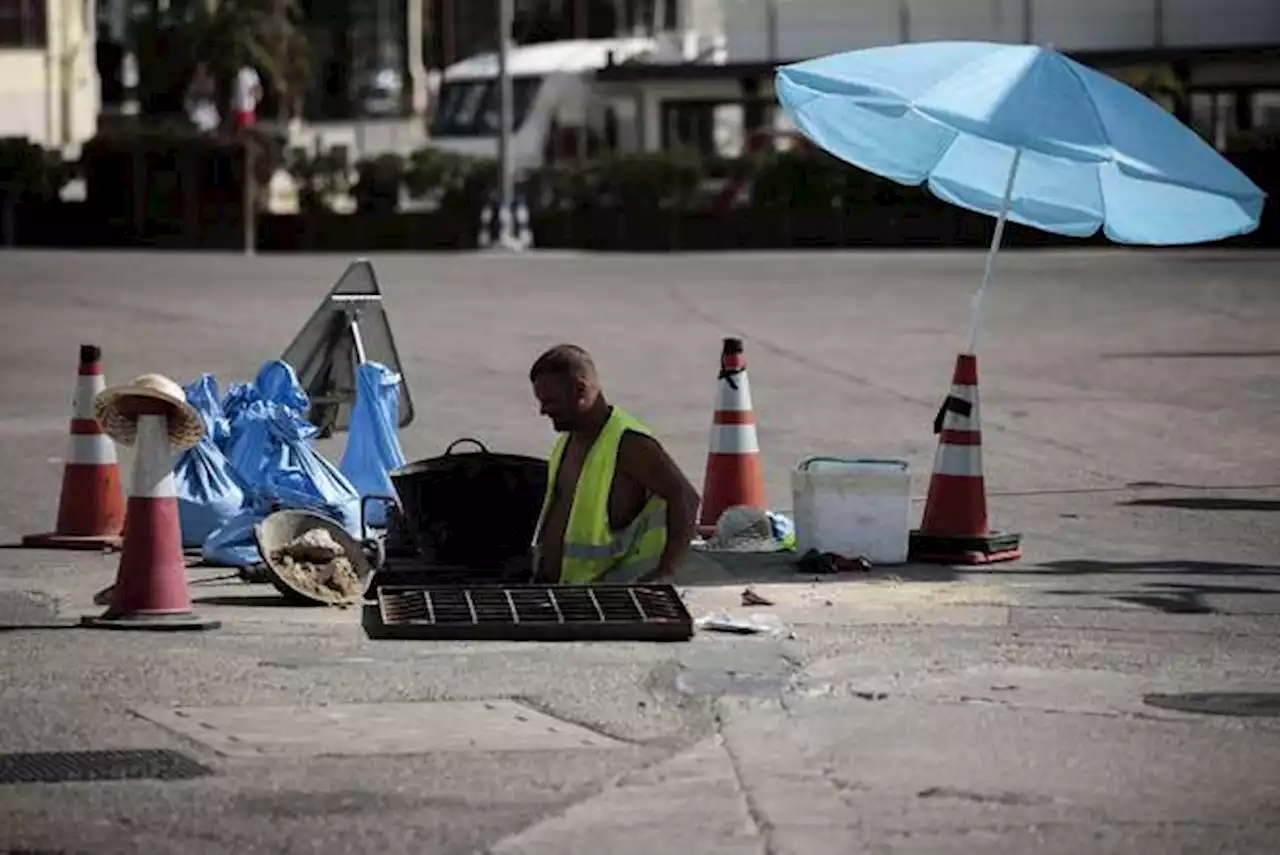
(506,14)
(249,198)
(975,319)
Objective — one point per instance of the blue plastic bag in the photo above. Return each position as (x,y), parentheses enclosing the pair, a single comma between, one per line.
(305,471)
(373,441)
(274,394)
(257,439)
(203,395)
(271,451)
(233,543)
(208,490)
(277,382)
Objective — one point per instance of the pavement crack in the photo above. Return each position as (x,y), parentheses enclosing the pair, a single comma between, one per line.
(583,796)
(764,828)
(1007,798)
(547,710)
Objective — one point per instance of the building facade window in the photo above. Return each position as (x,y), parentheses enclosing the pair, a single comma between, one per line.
(23,24)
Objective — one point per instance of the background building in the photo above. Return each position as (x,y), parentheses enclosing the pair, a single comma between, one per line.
(1216,65)
(48,78)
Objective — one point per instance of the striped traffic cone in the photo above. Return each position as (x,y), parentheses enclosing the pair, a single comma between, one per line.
(954,528)
(91,507)
(151,581)
(735,475)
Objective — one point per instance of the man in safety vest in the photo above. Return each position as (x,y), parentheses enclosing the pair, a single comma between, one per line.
(617,507)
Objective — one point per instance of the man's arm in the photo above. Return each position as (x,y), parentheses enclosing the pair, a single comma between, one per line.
(644,459)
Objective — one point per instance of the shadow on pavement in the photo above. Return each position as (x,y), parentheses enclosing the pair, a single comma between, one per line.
(1196,354)
(251,600)
(1092,567)
(36,627)
(1206,503)
(1175,598)
(708,569)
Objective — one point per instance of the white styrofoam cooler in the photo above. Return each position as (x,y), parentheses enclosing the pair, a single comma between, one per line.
(853,507)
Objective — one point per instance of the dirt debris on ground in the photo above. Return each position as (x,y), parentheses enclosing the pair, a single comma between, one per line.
(317,565)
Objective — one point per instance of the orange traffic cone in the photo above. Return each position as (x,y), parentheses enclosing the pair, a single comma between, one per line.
(91,507)
(954,528)
(151,581)
(735,475)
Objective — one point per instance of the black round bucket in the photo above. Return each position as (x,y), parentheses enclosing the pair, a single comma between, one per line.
(474,509)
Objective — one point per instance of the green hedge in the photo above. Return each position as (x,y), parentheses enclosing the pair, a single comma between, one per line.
(162,174)
(802,180)
(31,173)
(174,175)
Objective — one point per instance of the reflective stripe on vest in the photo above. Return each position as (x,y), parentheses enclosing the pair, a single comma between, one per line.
(591,547)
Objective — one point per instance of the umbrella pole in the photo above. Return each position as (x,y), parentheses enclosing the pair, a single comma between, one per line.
(975,317)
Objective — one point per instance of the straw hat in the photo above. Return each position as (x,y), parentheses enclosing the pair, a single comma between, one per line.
(116,409)
(744,529)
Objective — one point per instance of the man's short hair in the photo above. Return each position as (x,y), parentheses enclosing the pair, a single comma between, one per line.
(564,360)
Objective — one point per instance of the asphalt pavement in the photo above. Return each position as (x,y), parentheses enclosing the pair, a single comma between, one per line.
(1131,409)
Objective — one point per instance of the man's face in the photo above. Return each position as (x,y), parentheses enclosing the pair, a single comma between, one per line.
(561,400)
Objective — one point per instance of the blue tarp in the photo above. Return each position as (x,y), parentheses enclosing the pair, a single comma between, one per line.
(373,441)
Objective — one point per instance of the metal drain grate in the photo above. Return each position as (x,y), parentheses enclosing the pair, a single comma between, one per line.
(1220,703)
(54,767)
(530,613)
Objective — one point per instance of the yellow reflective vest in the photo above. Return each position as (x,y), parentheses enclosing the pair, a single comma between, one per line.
(592,549)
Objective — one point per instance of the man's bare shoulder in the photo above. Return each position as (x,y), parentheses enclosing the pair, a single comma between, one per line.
(638,451)
(644,459)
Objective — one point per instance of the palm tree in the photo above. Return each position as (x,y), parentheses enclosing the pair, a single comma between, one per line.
(265,34)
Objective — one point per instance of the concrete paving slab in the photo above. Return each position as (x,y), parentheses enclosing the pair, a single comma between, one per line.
(690,803)
(919,770)
(1056,690)
(356,729)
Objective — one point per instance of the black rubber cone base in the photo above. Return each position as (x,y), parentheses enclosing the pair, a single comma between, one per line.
(992,548)
(188,621)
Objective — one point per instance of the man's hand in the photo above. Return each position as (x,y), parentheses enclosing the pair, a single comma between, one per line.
(657,577)
(644,459)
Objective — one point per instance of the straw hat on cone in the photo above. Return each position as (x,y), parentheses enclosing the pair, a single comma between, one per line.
(116,409)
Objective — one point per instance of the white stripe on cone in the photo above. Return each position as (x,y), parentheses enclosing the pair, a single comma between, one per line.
(92,450)
(87,388)
(734,439)
(731,400)
(956,421)
(962,460)
(153,468)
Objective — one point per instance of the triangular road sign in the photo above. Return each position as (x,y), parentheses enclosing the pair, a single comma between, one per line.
(349,327)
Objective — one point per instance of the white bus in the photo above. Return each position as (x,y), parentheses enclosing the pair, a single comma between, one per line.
(556,108)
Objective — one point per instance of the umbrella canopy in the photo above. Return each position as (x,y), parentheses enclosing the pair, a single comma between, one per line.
(1024,132)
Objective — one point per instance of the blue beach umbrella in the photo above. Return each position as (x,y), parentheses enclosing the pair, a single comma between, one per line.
(1022,133)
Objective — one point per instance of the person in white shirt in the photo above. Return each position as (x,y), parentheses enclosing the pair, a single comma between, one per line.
(201,104)
(245,95)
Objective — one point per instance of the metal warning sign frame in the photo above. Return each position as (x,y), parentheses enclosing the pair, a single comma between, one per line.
(349,327)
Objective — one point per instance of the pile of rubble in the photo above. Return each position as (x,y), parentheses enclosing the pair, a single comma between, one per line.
(317,565)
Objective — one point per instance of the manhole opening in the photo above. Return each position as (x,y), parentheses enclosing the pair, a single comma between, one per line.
(1219,703)
(55,767)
